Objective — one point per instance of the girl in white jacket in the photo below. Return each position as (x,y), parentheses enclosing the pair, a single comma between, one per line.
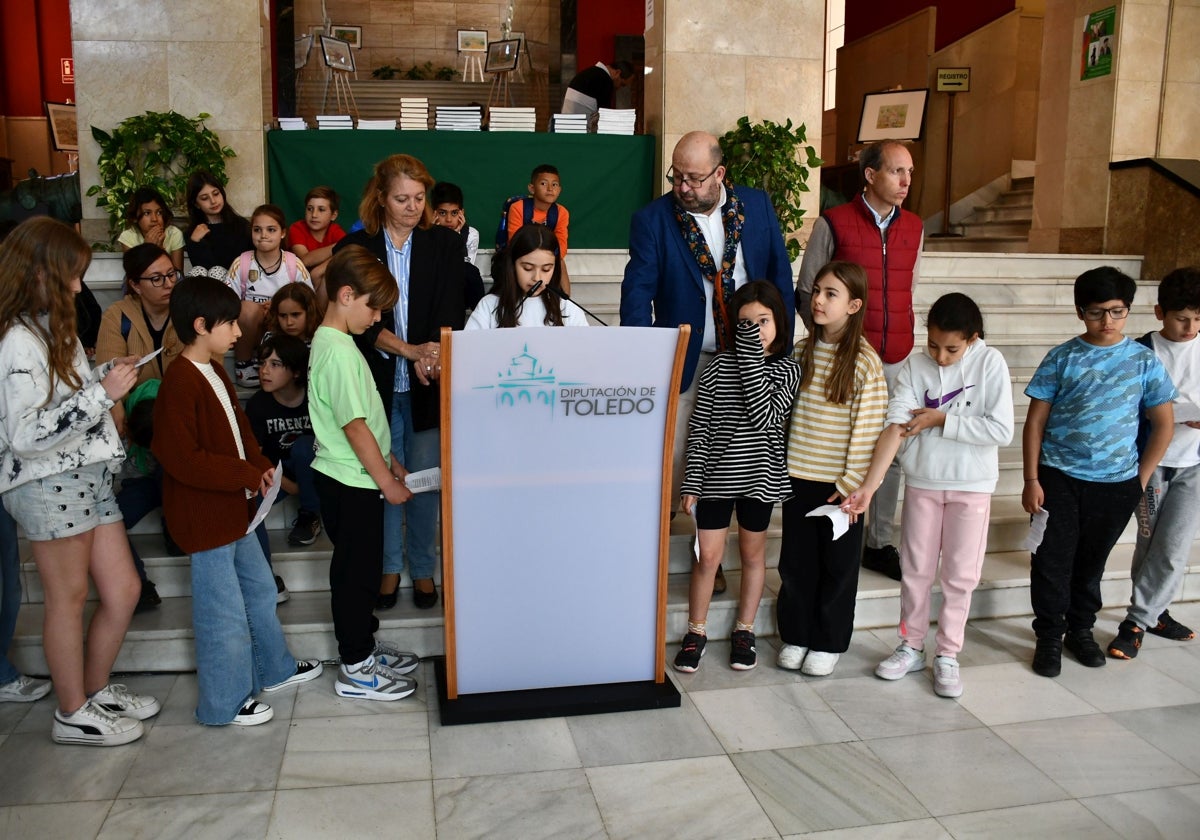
(950,412)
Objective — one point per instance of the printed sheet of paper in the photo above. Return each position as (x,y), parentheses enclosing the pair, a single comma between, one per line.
(268,500)
(1037,529)
(837,516)
(424,481)
(148,357)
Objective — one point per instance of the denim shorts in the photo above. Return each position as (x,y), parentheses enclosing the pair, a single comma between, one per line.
(64,504)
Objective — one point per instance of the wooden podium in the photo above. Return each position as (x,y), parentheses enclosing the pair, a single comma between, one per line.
(556,471)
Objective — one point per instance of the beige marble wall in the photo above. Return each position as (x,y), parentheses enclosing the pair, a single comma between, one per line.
(133,56)
(1180,128)
(717,60)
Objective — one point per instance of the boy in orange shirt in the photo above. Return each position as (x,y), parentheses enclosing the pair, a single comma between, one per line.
(544,187)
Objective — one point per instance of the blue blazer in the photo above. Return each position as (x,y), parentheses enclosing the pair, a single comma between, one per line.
(663,286)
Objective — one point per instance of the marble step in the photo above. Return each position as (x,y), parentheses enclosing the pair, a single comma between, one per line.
(987,292)
(1017,195)
(995,228)
(161,640)
(1004,212)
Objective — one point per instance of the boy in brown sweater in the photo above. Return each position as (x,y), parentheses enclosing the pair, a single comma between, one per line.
(212,469)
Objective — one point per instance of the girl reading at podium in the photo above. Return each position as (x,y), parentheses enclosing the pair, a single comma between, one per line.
(528,286)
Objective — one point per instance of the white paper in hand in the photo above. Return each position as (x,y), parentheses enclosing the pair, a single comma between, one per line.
(424,481)
(268,500)
(1037,529)
(148,357)
(837,516)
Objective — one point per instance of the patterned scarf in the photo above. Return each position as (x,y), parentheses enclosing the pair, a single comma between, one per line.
(733,216)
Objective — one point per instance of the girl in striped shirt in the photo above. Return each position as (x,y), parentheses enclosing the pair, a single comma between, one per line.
(735,458)
(838,414)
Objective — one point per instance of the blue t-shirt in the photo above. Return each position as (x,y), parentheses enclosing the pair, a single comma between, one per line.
(1095,396)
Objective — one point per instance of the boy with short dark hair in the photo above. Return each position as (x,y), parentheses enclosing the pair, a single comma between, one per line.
(1081,463)
(212,468)
(1168,514)
(543,208)
(449,210)
(312,238)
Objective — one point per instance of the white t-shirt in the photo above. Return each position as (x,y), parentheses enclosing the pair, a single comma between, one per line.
(533,314)
(261,286)
(1182,361)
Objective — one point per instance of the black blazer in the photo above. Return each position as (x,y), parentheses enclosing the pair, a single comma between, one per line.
(437,278)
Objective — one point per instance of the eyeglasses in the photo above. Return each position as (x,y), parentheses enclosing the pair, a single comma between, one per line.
(693,183)
(157,280)
(1117,313)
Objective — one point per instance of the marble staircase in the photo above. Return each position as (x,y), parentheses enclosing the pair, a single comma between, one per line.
(999,227)
(1027,303)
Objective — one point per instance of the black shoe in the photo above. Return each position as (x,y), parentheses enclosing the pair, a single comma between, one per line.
(306,529)
(719,584)
(281,591)
(149,598)
(1169,628)
(1047,657)
(692,648)
(387,600)
(884,560)
(1128,640)
(1084,648)
(742,654)
(424,600)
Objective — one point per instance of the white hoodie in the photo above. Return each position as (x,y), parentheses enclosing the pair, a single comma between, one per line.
(976,394)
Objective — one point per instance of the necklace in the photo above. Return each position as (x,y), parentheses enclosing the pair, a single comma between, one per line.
(268,271)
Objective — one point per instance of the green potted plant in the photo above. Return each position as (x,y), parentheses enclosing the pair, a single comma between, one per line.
(153,149)
(775,158)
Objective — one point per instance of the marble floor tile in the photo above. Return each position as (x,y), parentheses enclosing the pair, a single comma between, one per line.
(770,717)
(12,714)
(965,770)
(911,830)
(1168,813)
(876,708)
(62,819)
(825,787)
(213,816)
(1061,820)
(708,799)
(485,749)
(1093,755)
(651,735)
(521,806)
(369,749)
(981,649)
(1173,729)
(402,809)
(1118,686)
(191,758)
(1181,662)
(1014,634)
(34,769)
(715,673)
(179,705)
(317,699)
(1011,693)
(867,649)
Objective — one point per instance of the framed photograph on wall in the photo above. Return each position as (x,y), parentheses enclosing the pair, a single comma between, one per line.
(352,35)
(472,40)
(337,53)
(64,131)
(502,56)
(893,115)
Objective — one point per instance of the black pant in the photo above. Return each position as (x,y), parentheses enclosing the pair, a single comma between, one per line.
(819,574)
(353,518)
(1085,520)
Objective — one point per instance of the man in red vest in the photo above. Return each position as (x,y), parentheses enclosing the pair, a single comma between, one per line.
(874,232)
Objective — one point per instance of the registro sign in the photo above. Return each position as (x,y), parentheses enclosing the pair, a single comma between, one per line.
(953,79)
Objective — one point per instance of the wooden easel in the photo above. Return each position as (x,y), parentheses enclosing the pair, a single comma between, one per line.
(501,94)
(343,95)
(473,65)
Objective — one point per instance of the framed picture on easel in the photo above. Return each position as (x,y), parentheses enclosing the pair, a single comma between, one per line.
(338,54)
(502,56)
(64,130)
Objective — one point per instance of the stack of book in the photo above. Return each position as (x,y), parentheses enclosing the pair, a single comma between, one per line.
(459,117)
(570,123)
(292,124)
(335,121)
(414,113)
(616,121)
(376,125)
(512,119)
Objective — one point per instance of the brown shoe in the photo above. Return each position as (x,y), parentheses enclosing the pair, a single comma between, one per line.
(719,584)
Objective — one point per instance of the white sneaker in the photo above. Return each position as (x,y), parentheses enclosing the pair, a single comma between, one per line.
(400,661)
(119,700)
(306,669)
(791,657)
(24,690)
(372,680)
(818,663)
(946,682)
(94,726)
(252,714)
(902,662)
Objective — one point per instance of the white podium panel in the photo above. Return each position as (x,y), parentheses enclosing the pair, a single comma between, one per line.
(556,471)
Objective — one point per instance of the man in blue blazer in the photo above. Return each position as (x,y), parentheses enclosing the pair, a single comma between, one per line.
(702,235)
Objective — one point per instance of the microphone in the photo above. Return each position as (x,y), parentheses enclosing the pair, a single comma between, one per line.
(567,298)
(533,290)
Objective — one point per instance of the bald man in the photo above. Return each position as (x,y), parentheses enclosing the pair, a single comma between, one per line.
(703,239)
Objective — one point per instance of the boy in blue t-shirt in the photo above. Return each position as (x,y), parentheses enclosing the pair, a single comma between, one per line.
(1081,463)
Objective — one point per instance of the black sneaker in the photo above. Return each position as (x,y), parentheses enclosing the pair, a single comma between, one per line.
(884,560)
(281,591)
(1128,640)
(1169,628)
(149,599)
(742,655)
(1047,657)
(306,530)
(688,658)
(1084,648)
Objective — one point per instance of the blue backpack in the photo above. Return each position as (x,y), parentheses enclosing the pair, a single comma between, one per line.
(526,211)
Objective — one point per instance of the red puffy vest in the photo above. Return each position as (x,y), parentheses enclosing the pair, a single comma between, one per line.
(889,322)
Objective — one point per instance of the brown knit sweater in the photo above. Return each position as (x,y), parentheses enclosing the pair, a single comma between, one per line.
(204,480)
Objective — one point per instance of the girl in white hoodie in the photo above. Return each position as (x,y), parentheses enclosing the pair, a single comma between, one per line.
(949,413)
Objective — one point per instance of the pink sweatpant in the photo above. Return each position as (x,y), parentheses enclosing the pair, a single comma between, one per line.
(953,523)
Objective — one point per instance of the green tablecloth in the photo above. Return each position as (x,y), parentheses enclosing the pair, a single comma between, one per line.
(605,178)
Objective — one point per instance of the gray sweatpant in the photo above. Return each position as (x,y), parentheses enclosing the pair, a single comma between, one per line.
(1168,517)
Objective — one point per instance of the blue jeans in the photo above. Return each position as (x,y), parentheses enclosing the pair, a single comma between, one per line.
(299,464)
(10,592)
(411,528)
(240,646)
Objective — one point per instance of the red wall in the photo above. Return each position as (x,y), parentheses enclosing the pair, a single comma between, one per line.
(955,18)
(598,21)
(34,35)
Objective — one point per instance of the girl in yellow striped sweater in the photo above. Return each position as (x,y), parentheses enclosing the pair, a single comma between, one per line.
(838,414)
